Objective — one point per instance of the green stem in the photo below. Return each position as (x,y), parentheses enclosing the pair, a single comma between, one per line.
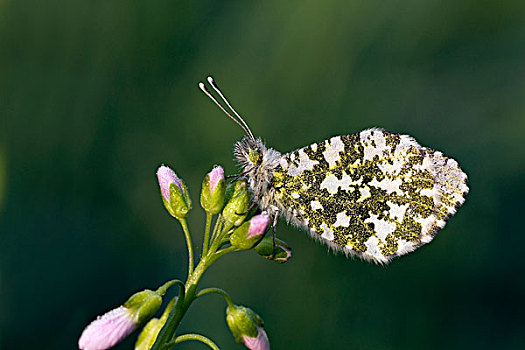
(192,336)
(223,252)
(194,279)
(189,244)
(216,241)
(164,288)
(173,321)
(206,242)
(219,291)
(188,291)
(187,295)
(218,225)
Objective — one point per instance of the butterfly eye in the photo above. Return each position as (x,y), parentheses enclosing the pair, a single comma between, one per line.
(255,157)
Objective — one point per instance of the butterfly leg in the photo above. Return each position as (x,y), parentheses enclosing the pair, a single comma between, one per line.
(251,206)
(236,176)
(274,225)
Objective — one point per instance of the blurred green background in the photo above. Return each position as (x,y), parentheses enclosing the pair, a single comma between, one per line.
(95,95)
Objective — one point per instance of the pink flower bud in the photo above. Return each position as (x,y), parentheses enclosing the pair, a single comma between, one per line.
(260,342)
(108,329)
(258,225)
(166,177)
(174,193)
(216,175)
(247,327)
(250,233)
(213,191)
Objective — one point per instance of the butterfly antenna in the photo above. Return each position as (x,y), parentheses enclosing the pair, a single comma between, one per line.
(216,88)
(208,93)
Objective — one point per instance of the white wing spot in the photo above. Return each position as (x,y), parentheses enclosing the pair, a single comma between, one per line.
(377,147)
(342,219)
(305,163)
(427,224)
(397,212)
(316,205)
(283,163)
(365,193)
(333,147)
(388,185)
(332,183)
(328,234)
(382,228)
(372,245)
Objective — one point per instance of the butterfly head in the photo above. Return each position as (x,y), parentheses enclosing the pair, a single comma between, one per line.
(249,152)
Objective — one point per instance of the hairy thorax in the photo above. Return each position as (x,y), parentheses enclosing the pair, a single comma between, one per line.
(258,162)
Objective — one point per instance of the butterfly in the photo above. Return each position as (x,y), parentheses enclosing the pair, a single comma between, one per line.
(373,194)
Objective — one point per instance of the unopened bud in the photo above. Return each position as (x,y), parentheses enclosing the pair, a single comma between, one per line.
(238,202)
(250,233)
(110,328)
(213,189)
(174,193)
(247,327)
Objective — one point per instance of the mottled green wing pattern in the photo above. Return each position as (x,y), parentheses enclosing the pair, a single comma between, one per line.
(374,194)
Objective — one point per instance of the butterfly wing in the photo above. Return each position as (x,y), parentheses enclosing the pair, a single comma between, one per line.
(373,194)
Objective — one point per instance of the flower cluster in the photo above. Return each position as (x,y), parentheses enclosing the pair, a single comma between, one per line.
(238,227)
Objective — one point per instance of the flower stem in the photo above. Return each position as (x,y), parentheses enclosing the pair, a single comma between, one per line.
(219,234)
(219,291)
(187,295)
(207,230)
(192,336)
(173,321)
(217,227)
(188,291)
(189,244)
(223,252)
(164,288)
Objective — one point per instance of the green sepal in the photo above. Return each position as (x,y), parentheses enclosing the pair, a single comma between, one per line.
(149,334)
(242,321)
(230,189)
(213,202)
(143,304)
(180,203)
(238,202)
(239,237)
